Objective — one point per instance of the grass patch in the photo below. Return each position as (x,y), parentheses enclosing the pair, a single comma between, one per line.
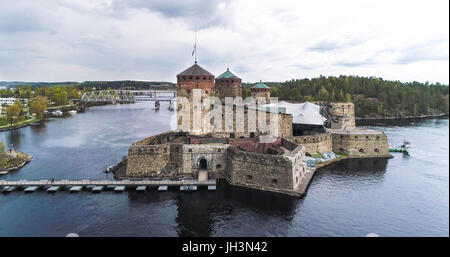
(317,155)
(28,119)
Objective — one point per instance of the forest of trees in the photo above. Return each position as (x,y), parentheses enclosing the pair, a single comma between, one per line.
(373,97)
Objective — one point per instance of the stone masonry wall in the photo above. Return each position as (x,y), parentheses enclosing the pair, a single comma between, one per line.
(147,160)
(361,144)
(277,173)
(319,143)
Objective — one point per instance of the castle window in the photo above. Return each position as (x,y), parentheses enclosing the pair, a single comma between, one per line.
(296,179)
(341,150)
(274,182)
(204,78)
(197,85)
(231,135)
(367,137)
(197,78)
(190,77)
(376,150)
(361,150)
(378,137)
(232,80)
(218,166)
(356,137)
(249,177)
(210,78)
(252,135)
(206,91)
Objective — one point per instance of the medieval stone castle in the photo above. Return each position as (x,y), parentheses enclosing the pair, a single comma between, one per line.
(246,153)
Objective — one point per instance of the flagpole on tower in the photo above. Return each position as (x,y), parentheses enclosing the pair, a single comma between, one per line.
(195,47)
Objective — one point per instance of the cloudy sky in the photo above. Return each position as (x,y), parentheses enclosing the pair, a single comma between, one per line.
(68,40)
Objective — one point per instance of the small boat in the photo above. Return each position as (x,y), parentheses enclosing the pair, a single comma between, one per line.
(57,113)
(401,149)
(72,112)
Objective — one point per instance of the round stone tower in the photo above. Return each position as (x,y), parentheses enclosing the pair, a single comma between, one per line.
(191,119)
(260,90)
(228,85)
(195,77)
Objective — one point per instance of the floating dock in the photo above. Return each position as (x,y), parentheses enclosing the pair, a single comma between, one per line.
(75,189)
(110,187)
(9,189)
(31,189)
(97,189)
(162,188)
(53,189)
(141,188)
(119,189)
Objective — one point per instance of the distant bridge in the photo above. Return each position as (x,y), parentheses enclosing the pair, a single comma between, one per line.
(128,96)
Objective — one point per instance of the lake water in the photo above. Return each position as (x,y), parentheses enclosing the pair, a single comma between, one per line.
(402,196)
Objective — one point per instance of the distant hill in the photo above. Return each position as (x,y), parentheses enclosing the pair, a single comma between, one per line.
(128,84)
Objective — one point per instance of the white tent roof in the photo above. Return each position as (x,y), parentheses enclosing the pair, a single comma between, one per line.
(302,113)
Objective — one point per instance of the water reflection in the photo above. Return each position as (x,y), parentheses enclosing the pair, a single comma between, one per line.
(14,139)
(369,167)
(198,213)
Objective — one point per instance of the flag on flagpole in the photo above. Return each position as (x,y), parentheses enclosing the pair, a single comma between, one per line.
(194,51)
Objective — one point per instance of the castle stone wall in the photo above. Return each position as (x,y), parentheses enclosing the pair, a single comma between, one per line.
(277,173)
(319,143)
(360,143)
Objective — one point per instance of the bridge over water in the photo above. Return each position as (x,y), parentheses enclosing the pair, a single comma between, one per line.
(128,96)
(7,186)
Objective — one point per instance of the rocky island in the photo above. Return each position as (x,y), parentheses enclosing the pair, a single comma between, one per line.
(12,160)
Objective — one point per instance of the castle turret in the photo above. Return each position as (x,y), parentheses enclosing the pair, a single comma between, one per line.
(228,85)
(195,77)
(260,90)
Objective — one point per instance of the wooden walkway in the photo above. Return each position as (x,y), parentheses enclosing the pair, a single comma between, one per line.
(87,182)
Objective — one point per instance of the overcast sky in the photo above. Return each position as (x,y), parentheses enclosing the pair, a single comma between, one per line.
(67,40)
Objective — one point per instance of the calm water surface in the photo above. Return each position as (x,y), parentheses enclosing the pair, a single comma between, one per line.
(403,196)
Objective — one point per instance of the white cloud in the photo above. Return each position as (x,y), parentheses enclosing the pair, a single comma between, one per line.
(273,41)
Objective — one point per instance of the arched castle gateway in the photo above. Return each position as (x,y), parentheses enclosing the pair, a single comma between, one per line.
(241,153)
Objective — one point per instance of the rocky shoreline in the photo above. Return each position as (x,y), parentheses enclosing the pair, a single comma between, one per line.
(403,117)
(15,160)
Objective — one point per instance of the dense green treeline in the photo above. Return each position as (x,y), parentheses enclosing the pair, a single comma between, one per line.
(59,94)
(373,97)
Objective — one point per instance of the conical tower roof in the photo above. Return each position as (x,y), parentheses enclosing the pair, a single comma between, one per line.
(195,70)
(227,75)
